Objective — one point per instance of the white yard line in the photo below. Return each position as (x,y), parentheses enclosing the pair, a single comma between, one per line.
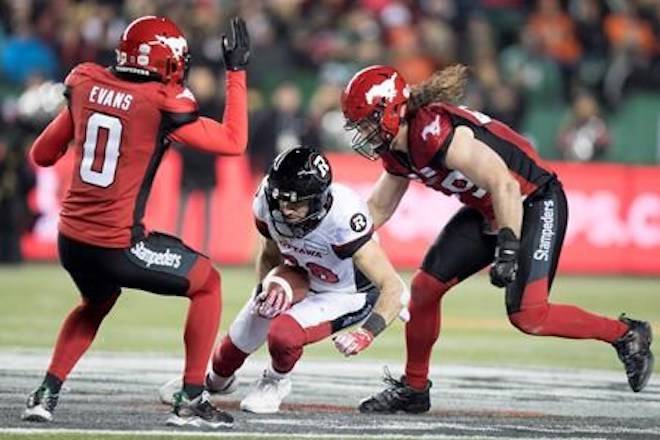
(250,434)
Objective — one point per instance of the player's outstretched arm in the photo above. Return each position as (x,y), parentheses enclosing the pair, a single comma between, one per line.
(372,261)
(53,141)
(385,197)
(230,136)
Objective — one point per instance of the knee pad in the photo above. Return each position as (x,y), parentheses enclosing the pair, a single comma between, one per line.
(425,289)
(285,334)
(285,343)
(227,358)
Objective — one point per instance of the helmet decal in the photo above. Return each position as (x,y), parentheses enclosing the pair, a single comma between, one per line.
(385,90)
(178,45)
(322,165)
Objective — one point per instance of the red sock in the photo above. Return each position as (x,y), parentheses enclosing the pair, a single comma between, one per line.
(538,317)
(227,358)
(202,327)
(76,335)
(423,328)
(285,342)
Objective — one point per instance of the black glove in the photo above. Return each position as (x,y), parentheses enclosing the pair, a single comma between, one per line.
(505,267)
(236,51)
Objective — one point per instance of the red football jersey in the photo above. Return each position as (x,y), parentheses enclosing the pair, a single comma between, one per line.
(430,132)
(121,130)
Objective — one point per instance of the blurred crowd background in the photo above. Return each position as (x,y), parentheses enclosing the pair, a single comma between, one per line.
(580,78)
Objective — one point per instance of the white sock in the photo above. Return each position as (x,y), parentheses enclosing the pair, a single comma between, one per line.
(270,372)
(216,382)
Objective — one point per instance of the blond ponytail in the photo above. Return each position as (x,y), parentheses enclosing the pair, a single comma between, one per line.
(446,85)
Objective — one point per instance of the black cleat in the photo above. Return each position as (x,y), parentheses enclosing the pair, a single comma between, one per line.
(197,413)
(634,350)
(40,405)
(397,397)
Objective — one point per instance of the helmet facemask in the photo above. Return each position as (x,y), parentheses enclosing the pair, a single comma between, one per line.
(368,137)
(318,205)
(299,174)
(373,104)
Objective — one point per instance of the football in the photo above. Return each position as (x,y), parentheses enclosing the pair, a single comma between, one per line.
(294,281)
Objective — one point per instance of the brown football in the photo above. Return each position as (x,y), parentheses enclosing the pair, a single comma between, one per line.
(291,279)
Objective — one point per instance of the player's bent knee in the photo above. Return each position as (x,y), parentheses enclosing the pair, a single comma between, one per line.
(99,307)
(530,320)
(426,290)
(204,278)
(285,335)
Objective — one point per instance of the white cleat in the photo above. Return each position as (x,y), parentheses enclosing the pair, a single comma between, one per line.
(40,405)
(266,395)
(167,390)
(37,414)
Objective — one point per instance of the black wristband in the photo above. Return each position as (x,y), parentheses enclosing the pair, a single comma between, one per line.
(375,324)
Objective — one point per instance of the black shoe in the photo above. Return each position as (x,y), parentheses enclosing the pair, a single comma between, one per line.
(397,397)
(198,413)
(40,405)
(634,350)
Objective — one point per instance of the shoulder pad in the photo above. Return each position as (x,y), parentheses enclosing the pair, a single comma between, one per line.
(259,204)
(353,225)
(431,131)
(81,72)
(177,99)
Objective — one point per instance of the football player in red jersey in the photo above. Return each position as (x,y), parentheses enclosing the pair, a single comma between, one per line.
(514,219)
(121,121)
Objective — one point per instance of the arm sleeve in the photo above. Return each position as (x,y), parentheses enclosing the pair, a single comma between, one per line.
(228,137)
(53,141)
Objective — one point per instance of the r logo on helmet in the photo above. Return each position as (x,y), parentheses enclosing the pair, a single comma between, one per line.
(322,166)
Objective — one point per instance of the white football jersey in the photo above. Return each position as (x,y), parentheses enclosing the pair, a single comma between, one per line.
(326,251)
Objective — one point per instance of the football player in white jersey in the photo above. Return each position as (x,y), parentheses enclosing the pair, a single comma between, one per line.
(326,229)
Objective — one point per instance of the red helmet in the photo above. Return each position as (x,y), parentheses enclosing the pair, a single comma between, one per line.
(372,103)
(153,47)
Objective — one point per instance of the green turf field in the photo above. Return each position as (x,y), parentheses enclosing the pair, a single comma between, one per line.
(35,298)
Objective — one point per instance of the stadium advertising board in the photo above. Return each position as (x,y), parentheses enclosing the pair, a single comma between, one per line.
(614,218)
